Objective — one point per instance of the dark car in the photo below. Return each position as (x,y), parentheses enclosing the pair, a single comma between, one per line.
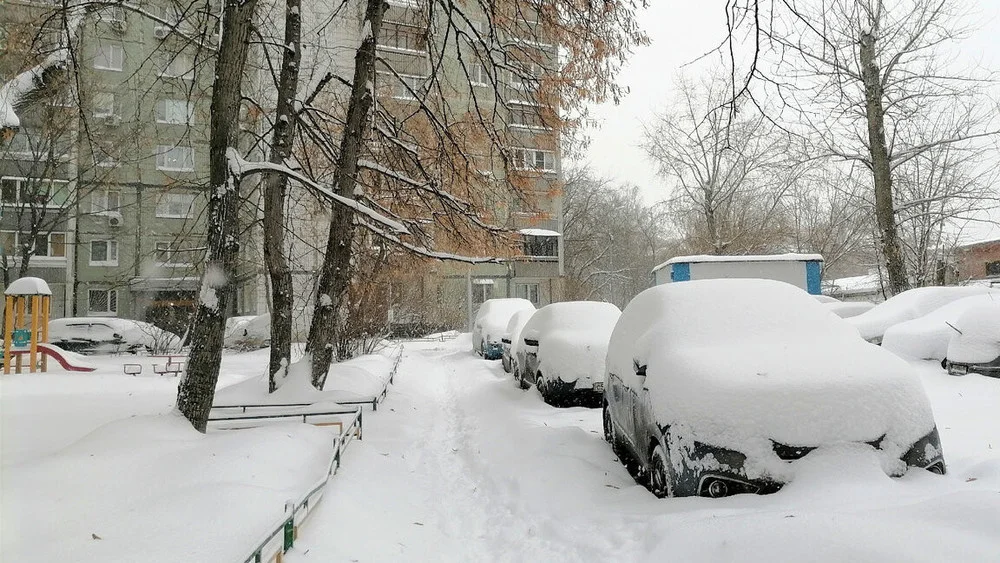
(562,351)
(718,387)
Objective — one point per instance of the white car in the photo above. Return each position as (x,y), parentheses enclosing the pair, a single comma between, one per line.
(717,387)
(512,338)
(927,337)
(110,335)
(562,351)
(906,306)
(975,346)
(844,309)
(248,332)
(491,323)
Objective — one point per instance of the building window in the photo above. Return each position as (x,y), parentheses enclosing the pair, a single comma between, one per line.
(993,268)
(178,65)
(540,246)
(401,35)
(103,253)
(109,57)
(46,245)
(535,159)
(34,192)
(527,291)
(481,291)
(175,111)
(105,201)
(174,158)
(526,115)
(173,254)
(104,104)
(175,206)
(102,301)
(477,75)
(404,86)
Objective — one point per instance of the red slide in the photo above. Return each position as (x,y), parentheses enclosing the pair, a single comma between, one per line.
(57,354)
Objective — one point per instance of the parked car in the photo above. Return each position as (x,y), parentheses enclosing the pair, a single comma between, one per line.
(491,322)
(512,338)
(717,387)
(844,309)
(110,335)
(908,305)
(562,351)
(927,337)
(975,346)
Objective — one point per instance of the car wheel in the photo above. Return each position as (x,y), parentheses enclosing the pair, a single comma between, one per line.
(540,384)
(659,474)
(944,363)
(609,429)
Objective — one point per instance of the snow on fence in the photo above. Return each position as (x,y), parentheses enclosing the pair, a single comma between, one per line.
(283,535)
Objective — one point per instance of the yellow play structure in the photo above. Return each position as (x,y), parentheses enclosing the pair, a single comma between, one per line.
(26,297)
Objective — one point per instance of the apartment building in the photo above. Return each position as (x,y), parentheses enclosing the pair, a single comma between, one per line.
(408,54)
(113,164)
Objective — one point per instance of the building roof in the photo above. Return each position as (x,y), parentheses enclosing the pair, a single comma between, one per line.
(791,257)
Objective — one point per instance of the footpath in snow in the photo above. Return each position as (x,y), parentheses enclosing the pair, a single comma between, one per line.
(460,465)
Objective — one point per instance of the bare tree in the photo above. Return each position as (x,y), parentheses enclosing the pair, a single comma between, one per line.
(868,81)
(729,171)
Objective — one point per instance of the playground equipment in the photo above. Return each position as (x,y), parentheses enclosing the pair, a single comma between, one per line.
(30,297)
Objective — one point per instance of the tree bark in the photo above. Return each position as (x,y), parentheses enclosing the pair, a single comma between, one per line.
(275,195)
(196,390)
(335,271)
(885,214)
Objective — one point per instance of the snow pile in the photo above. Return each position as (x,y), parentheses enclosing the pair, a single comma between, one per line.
(979,340)
(492,319)
(151,488)
(355,379)
(908,305)
(927,337)
(572,339)
(739,363)
(847,309)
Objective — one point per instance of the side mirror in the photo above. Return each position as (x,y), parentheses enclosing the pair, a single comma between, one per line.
(639,369)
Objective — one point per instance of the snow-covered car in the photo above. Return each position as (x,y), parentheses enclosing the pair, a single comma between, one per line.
(491,322)
(717,387)
(975,347)
(927,337)
(110,335)
(512,337)
(844,309)
(562,351)
(248,332)
(906,306)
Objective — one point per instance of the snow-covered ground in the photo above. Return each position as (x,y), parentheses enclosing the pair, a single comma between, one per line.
(459,465)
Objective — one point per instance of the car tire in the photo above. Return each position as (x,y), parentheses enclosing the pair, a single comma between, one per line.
(609,426)
(659,480)
(521,382)
(540,384)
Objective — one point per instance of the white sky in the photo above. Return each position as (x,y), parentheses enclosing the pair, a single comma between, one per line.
(683,31)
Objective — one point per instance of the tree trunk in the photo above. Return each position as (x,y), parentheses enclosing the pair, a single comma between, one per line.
(197,389)
(885,214)
(275,195)
(335,272)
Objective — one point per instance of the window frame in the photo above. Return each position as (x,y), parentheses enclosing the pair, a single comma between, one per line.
(162,210)
(113,48)
(108,261)
(162,158)
(164,103)
(111,298)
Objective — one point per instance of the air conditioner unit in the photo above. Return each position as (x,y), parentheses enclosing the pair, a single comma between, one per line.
(114,219)
(161,32)
(112,120)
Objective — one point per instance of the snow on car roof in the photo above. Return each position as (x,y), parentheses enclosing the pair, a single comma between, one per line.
(979,340)
(926,337)
(908,305)
(572,315)
(791,257)
(539,233)
(28,286)
(740,362)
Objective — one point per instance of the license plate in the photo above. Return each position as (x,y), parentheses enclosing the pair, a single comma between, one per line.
(599,386)
(958,370)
